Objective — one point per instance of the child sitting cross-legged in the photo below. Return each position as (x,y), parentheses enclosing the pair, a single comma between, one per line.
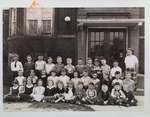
(38,91)
(91,94)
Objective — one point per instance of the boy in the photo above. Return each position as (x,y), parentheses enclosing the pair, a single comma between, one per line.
(117,79)
(40,65)
(20,78)
(128,87)
(49,65)
(95,80)
(69,67)
(80,66)
(117,95)
(89,66)
(85,79)
(64,78)
(28,65)
(104,95)
(59,65)
(114,69)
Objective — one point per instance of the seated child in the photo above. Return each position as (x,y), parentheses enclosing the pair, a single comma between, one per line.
(117,78)
(43,77)
(69,67)
(114,69)
(64,78)
(104,95)
(33,77)
(80,66)
(38,92)
(60,90)
(50,92)
(13,95)
(69,94)
(128,87)
(117,95)
(25,95)
(28,65)
(49,65)
(53,77)
(20,78)
(59,65)
(91,94)
(80,93)
(40,65)
(85,79)
(95,80)
(76,79)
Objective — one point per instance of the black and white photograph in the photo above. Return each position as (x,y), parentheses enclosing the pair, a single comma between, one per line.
(73,59)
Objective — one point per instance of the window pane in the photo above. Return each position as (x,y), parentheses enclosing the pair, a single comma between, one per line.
(33,26)
(111,36)
(46,26)
(97,36)
(116,34)
(101,36)
(92,36)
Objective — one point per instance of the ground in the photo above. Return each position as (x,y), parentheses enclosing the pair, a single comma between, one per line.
(40,107)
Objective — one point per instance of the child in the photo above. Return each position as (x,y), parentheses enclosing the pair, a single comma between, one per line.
(69,67)
(80,66)
(53,77)
(80,93)
(64,78)
(38,91)
(40,65)
(76,79)
(117,79)
(117,95)
(89,66)
(16,66)
(49,92)
(20,78)
(128,87)
(96,66)
(69,94)
(105,70)
(91,94)
(33,77)
(114,69)
(85,79)
(59,65)
(43,77)
(95,80)
(28,65)
(104,95)
(49,65)
(13,95)
(60,90)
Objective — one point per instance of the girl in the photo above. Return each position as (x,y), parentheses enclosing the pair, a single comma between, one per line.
(50,91)
(33,77)
(20,78)
(76,79)
(53,77)
(38,92)
(49,65)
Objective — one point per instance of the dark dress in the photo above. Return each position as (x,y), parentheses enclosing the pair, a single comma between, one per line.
(103,96)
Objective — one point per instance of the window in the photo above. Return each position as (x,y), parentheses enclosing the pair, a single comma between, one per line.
(33,27)
(46,26)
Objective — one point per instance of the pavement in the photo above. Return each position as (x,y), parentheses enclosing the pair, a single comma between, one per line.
(46,107)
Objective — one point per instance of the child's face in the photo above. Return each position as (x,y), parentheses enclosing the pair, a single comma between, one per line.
(29,59)
(115,64)
(103,62)
(80,62)
(96,63)
(75,74)
(49,60)
(29,82)
(94,75)
(80,86)
(50,83)
(63,73)
(85,73)
(32,73)
(40,57)
(129,52)
(40,83)
(104,88)
(128,76)
(117,87)
(59,60)
(16,58)
(69,61)
(91,86)
(89,61)
(43,72)
(70,85)
(117,76)
(60,85)
(20,73)
(53,74)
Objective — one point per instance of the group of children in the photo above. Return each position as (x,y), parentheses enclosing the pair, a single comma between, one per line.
(93,83)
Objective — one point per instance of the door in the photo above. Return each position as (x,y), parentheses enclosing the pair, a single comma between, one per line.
(108,43)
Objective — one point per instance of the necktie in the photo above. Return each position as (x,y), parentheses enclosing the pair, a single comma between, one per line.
(15,63)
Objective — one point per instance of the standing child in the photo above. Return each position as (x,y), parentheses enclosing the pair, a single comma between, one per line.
(117,95)
(49,65)
(89,66)
(76,79)
(38,91)
(59,65)
(80,66)
(85,79)
(13,95)
(69,67)
(33,77)
(128,87)
(91,94)
(20,78)
(40,65)
(64,78)
(28,66)
(53,77)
